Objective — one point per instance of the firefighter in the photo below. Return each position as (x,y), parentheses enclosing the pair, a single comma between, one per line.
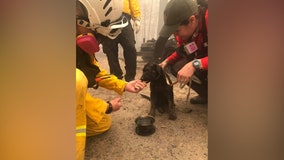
(93,18)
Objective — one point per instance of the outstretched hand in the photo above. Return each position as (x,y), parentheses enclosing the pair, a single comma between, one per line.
(116,104)
(135,86)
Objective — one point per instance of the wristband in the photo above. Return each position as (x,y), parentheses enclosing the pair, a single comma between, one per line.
(109,108)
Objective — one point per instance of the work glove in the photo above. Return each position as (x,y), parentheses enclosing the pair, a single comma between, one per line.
(137,25)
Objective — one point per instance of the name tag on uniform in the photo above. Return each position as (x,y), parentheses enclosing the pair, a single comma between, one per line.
(190,47)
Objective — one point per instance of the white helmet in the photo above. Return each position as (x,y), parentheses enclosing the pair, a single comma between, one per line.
(105,17)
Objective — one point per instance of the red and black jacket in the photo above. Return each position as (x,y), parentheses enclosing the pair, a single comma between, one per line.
(201,41)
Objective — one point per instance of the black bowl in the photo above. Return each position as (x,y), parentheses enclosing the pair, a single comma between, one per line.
(145,125)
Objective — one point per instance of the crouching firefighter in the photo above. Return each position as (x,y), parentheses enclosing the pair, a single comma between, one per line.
(92,114)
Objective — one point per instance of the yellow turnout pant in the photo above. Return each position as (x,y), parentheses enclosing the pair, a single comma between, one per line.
(90,115)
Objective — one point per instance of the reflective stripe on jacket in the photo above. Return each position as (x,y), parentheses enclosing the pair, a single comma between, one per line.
(81,130)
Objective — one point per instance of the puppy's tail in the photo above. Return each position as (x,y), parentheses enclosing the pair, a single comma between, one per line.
(145,96)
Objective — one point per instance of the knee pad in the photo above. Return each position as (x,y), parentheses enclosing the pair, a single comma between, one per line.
(88,43)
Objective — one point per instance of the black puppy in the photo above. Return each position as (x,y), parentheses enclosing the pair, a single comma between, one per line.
(161,97)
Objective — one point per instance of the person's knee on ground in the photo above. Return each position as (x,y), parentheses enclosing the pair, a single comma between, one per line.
(97,120)
(94,128)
